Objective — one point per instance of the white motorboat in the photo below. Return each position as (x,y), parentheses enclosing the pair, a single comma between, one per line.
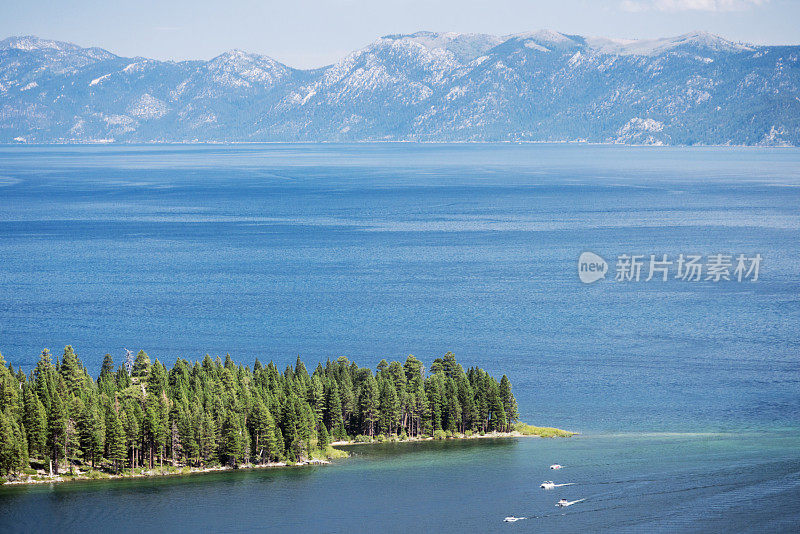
(549,484)
(512,519)
(564,502)
(556,466)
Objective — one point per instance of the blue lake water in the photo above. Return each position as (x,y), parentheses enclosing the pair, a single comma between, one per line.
(687,394)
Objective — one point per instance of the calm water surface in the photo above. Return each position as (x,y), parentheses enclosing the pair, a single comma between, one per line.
(688,395)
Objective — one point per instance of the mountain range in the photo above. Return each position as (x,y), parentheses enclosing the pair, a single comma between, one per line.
(542,86)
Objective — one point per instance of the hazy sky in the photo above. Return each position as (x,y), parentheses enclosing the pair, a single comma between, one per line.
(309,33)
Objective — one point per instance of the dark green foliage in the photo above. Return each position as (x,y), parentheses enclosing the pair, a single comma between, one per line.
(92,433)
(508,401)
(323,438)
(71,371)
(115,440)
(8,446)
(34,421)
(208,412)
(56,429)
(369,404)
(141,366)
(232,449)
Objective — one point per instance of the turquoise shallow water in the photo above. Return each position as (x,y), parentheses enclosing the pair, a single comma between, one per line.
(634,482)
(374,251)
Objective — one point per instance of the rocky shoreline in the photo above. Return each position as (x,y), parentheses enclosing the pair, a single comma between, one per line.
(43,477)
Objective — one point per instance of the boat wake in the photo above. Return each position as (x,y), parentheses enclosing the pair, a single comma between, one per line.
(549,484)
(564,503)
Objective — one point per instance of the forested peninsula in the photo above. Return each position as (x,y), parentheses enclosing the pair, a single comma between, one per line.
(140,419)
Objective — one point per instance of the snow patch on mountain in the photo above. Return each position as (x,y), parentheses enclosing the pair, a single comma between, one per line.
(133,67)
(31,42)
(98,80)
(240,69)
(464,47)
(652,47)
(547,39)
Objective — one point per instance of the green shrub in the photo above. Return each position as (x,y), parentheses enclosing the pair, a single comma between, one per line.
(544,432)
(29,471)
(468,433)
(331,452)
(362,439)
(439,434)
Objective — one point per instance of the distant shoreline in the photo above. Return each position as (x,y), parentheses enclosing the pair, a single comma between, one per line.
(574,142)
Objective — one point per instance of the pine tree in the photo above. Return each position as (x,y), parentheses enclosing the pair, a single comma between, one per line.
(273,441)
(9,460)
(323,438)
(369,404)
(45,374)
(262,426)
(122,379)
(189,428)
(141,366)
(290,428)
(107,369)
(509,402)
(389,407)
(208,438)
(466,400)
(176,444)
(56,429)
(9,391)
(132,428)
(106,382)
(316,399)
(433,392)
(280,444)
(35,421)
(21,452)
(72,445)
(115,440)
(72,371)
(231,451)
(92,433)
(333,407)
(498,413)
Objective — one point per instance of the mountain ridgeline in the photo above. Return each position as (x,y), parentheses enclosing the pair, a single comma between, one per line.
(541,86)
(219,413)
